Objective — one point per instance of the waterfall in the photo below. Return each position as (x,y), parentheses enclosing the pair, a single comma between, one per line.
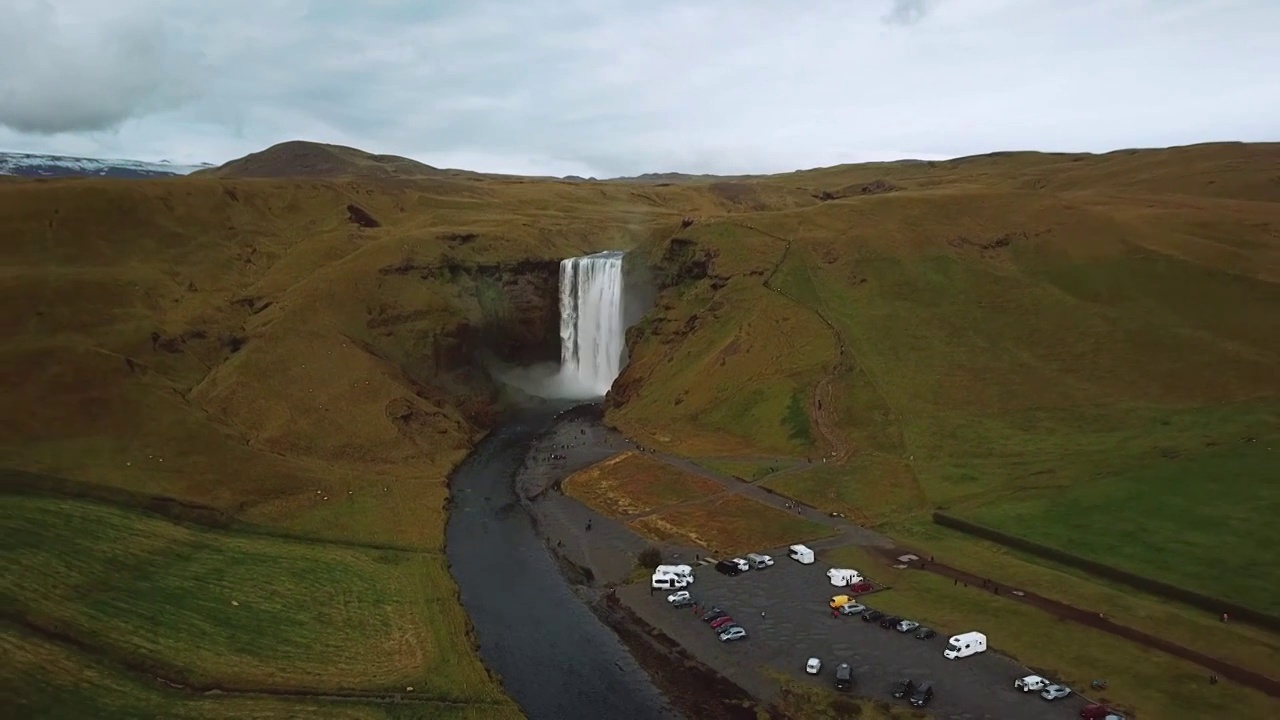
(591,324)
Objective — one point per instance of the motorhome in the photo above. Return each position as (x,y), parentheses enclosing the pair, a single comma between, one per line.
(1030,683)
(684,571)
(759,561)
(964,645)
(668,581)
(843,577)
(801,554)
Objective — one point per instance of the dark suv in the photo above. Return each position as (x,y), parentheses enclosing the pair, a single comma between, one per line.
(904,688)
(889,621)
(728,568)
(922,695)
(872,616)
(844,676)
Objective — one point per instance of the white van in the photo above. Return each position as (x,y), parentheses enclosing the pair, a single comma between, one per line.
(668,581)
(964,645)
(841,577)
(759,561)
(684,571)
(1030,683)
(801,554)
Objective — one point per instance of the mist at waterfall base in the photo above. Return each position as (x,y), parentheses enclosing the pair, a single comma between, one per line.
(593,324)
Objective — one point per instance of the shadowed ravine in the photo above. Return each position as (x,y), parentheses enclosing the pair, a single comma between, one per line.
(554,656)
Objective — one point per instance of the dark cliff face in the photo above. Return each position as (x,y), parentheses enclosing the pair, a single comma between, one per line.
(508,311)
(523,326)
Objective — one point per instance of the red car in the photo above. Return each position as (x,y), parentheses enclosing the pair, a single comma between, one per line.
(715,624)
(861,587)
(1097,712)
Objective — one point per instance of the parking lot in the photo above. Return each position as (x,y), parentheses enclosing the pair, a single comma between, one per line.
(797,624)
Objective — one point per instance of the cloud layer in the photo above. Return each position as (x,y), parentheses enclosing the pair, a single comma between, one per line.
(609,87)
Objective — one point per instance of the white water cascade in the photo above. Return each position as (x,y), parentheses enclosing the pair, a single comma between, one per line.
(592,328)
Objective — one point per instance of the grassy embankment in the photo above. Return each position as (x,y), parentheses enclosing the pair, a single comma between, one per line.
(1067,349)
(667,504)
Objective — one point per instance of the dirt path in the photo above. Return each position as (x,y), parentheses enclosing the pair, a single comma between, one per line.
(822,406)
(1098,621)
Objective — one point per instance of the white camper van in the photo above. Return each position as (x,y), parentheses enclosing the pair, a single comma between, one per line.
(1030,683)
(759,561)
(801,554)
(840,577)
(964,645)
(668,581)
(684,571)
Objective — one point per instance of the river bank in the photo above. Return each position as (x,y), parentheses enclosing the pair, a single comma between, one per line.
(554,656)
(598,553)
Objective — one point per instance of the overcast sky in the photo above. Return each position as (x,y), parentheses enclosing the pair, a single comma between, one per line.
(613,87)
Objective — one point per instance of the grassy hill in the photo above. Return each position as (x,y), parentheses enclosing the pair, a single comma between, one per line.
(1076,349)
(1091,355)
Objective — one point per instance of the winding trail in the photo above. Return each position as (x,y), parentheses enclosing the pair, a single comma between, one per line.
(822,406)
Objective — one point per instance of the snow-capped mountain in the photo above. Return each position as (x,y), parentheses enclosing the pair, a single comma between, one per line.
(31,165)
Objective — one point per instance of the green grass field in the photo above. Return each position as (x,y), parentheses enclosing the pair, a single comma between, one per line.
(230,610)
(1171,519)
(45,680)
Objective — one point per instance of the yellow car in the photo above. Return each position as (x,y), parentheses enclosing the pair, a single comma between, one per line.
(840,601)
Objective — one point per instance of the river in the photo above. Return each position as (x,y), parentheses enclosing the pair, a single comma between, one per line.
(556,659)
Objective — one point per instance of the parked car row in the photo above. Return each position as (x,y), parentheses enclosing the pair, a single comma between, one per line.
(1048,690)
(919,694)
(726,628)
(848,606)
(737,565)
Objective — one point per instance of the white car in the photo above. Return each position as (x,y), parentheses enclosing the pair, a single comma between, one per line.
(743,565)
(813,667)
(733,633)
(678,596)
(1055,692)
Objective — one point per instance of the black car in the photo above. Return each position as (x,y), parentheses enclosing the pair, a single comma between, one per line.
(904,688)
(922,695)
(889,621)
(872,616)
(728,568)
(844,676)
(713,614)
(925,633)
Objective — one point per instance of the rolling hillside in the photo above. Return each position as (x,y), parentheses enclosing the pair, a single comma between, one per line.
(288,347)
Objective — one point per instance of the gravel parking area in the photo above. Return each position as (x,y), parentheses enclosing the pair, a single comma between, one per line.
(797,625)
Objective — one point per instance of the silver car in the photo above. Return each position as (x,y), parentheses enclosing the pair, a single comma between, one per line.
(1055,692)
(907,626)
(852,609)
(733,633)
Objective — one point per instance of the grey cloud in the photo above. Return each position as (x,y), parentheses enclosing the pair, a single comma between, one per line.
(907,12)
(65,70)
(603,87)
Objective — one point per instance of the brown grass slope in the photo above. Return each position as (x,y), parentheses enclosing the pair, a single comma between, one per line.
(298,352)
(300,158)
